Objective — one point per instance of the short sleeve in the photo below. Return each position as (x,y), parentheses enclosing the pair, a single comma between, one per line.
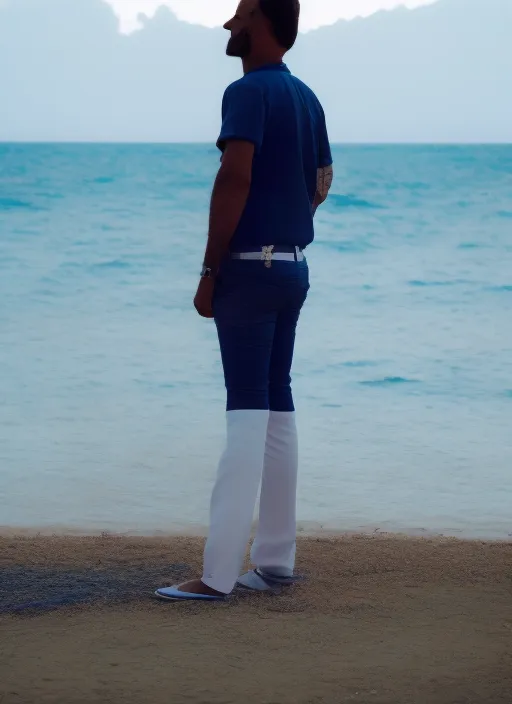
(243,114)
(324,148)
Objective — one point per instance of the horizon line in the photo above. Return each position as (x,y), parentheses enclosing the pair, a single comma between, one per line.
(211,144)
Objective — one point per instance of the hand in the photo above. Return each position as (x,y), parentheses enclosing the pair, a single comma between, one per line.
(204,297)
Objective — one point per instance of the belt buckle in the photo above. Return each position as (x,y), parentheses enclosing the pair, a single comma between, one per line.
(266,255)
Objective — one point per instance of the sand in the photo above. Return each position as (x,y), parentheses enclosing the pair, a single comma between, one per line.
(383,620)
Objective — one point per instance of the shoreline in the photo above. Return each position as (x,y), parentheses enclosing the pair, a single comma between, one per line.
(305,529)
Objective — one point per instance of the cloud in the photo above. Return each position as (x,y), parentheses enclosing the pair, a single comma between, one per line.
(214,13)
(129,10)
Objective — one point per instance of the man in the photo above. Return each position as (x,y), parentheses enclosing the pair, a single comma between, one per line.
(276,170)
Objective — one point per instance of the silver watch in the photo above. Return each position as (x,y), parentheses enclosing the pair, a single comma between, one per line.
(206,272)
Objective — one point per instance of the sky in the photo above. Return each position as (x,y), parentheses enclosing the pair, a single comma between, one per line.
(212,13)
(437,73)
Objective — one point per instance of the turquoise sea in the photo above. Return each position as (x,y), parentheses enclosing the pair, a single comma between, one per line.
(111,392)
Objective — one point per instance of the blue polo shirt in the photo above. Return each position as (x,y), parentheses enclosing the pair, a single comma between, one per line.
(284,120)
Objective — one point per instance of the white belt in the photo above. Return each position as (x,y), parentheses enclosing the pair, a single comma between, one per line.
(267,255)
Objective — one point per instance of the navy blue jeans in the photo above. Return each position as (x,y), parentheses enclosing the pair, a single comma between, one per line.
(256,310)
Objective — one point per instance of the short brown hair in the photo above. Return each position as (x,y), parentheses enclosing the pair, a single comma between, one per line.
(283,15)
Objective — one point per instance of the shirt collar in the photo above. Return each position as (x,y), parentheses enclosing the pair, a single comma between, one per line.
(272,67)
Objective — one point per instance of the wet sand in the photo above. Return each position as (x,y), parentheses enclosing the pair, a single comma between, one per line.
(380,620)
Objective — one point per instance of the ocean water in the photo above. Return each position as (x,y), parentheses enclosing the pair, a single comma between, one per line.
(111,392)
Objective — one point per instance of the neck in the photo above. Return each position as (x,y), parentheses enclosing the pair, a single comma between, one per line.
(253,62)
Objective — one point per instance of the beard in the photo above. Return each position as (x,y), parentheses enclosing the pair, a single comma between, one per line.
(239,46)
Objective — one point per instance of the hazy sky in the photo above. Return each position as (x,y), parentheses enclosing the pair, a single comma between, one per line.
(439,73)
(211,13)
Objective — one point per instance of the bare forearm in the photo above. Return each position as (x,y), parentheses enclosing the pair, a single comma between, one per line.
(323,186)
(229,199)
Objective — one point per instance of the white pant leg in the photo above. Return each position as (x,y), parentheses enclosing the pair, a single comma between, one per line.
(234,497)
(273,549)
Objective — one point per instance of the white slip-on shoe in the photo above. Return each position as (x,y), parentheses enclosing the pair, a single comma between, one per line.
(174,594)
(259,581)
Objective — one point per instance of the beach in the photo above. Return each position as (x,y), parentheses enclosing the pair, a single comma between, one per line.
(378,619)
(113,419)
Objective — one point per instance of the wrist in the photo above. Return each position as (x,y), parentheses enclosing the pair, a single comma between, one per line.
(207,272)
